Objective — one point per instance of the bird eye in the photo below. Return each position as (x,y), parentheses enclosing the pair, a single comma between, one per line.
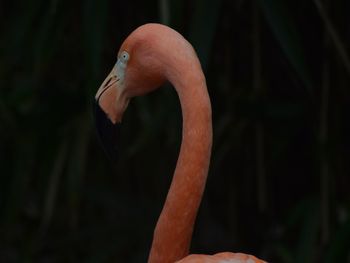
(124,56)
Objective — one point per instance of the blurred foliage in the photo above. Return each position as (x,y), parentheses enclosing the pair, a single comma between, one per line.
(278,76)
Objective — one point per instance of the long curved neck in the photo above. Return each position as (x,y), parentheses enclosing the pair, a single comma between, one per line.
(173,233)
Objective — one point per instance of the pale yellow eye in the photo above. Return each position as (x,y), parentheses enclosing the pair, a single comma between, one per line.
(124,56)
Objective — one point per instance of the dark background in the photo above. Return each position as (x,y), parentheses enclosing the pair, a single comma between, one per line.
(278,76)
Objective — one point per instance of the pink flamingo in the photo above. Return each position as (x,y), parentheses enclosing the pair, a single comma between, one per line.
(152,54)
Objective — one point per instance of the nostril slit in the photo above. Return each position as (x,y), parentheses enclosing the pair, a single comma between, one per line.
(108,82)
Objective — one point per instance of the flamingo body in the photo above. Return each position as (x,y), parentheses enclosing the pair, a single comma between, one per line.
(224,257)
(150,55)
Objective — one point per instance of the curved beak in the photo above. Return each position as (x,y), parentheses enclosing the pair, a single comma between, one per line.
(107,131)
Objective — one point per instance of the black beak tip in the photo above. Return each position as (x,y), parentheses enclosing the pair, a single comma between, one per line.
(107,132)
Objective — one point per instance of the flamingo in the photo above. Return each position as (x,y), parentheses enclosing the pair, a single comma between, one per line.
(151,55)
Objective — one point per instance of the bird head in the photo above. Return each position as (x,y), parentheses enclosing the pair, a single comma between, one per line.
(138,71)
